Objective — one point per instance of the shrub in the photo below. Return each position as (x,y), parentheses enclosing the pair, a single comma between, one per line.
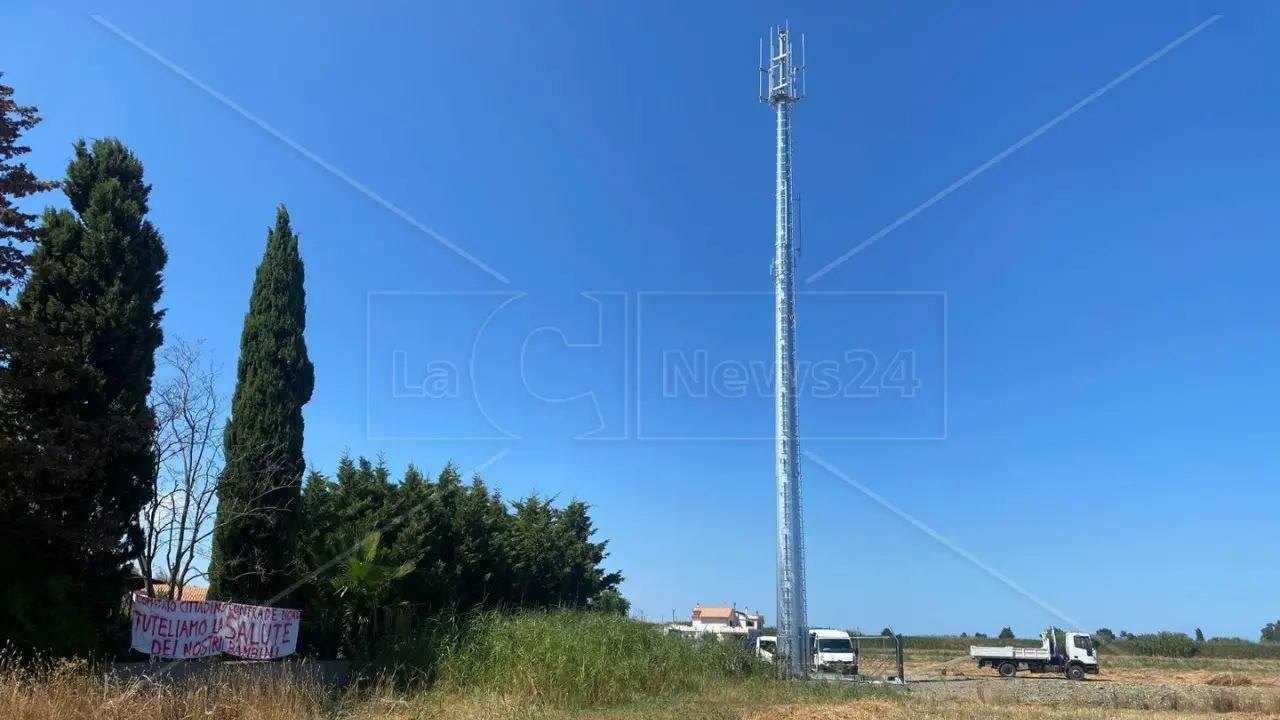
(1163,644)
(1240,649)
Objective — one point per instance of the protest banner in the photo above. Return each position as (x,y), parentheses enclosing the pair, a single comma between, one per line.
(189,629)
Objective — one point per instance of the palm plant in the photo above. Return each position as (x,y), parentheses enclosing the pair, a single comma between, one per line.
(362,584)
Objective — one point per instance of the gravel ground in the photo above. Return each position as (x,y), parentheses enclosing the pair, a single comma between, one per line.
(1098,692)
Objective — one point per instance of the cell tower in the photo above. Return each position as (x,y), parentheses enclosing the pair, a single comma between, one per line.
(782,85)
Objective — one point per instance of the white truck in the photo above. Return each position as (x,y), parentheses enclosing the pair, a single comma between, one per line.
(1080,656)
(830,650)
(764,646)
(833,651)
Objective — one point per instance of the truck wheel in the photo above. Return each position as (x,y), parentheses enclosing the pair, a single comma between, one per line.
(1008,669)
(1075,672)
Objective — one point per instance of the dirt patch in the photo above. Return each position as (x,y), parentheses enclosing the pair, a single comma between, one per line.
(969,710)
(1213,678)
(1105,693)
(1241,674)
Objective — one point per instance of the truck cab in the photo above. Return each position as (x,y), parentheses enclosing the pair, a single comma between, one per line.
(833,651)
(764,647)
(1081,650)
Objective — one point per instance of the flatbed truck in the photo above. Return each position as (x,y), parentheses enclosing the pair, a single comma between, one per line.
(1078,658)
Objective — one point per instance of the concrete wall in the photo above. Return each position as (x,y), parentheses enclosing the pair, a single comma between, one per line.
(326,672)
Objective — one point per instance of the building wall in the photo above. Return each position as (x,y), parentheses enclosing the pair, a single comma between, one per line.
(739,621)
(710,624)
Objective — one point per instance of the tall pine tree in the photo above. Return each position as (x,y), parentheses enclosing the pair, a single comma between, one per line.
(259,494)
(80,388)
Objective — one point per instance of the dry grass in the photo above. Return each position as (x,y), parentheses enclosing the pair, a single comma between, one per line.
(70,692)
(1230,680)
(959,710)
(585,667)
(1264,666)
(1263,677)
(1169,671)
(1176,676)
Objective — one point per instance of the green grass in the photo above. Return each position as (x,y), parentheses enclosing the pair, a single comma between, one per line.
(583,659)
(580,660)
(1230,650)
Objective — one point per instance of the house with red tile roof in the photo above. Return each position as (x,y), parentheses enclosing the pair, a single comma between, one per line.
(725,619)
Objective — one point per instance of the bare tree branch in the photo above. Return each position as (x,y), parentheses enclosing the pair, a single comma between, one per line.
(188,410)
(190,414)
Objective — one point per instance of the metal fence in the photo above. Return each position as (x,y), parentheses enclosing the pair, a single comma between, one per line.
(879,658)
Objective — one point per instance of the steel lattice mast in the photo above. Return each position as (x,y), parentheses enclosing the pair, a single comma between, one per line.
(782,86)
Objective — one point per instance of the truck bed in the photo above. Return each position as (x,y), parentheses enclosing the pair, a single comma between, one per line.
(1009,653)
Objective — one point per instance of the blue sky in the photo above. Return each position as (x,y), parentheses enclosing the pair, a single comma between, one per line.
(1084,322)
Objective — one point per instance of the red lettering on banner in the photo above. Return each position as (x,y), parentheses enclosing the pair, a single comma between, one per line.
(200,648)
(163,648)
(191,629)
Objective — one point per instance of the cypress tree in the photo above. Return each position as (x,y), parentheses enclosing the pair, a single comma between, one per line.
(259,493)
(81,392)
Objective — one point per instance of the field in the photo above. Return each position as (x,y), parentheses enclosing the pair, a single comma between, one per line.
(576,666)
(1205,685)
(1223,649)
